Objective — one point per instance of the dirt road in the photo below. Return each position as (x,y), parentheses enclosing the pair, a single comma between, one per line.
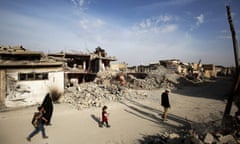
(130,120)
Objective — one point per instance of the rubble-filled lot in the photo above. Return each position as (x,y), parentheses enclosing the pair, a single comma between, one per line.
(135,112)
(93,95)
(106,88)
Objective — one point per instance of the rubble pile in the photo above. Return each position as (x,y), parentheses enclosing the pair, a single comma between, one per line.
(150,82)
(107,87)
(198,133)
(95,95)
(159,78)
(107,77)
(189,138)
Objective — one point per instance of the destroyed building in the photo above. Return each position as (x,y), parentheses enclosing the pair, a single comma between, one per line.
(80,67)
(209,70)
(191,71)
(26,76)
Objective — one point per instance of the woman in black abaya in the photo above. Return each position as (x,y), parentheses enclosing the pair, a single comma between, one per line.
(48,106)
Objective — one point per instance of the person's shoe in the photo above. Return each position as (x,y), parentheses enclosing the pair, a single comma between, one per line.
(28,139)
(48,124)
(108,126)
(45,137)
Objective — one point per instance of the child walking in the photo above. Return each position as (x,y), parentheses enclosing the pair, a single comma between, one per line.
(105,116)
(38,123)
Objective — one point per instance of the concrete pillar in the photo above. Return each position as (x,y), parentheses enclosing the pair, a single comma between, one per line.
(84,65)
(100,65)
(2,87)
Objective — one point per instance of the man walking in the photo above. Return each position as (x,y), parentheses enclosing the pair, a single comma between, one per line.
(165,104)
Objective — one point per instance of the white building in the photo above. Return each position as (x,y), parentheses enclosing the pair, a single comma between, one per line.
(26,78)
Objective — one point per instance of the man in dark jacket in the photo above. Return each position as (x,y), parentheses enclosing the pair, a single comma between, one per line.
(165,104)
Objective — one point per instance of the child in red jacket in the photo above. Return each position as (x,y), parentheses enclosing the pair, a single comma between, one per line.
(105,116)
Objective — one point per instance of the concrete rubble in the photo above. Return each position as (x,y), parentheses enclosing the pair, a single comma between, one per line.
(196,133)
(183,136)
(95,95)
(107,88)
(159,78)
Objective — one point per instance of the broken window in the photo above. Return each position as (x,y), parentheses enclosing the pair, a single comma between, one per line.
(22,76)
(32,76)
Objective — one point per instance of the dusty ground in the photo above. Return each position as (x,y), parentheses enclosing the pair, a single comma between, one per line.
(130,120)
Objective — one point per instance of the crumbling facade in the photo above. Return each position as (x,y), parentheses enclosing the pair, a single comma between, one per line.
(81,67)
(192,71)
(27,76)
(209,71)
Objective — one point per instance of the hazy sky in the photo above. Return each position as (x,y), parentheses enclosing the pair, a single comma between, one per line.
(135,31)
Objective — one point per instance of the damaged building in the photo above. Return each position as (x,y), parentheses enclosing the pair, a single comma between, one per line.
(82,67)
(27,76)
(192,71)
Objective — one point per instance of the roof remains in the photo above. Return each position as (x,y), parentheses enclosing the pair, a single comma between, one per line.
(17,50)
(18,56)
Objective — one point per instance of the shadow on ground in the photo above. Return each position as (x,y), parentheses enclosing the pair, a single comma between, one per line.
(96,119)
(218,88)
(174,123)
(154,115)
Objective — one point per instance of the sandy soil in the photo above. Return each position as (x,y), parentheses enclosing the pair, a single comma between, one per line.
(130,120)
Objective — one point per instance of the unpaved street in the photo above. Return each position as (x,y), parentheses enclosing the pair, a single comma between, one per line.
(130,120)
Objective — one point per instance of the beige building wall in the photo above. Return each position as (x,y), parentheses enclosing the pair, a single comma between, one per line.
(29,92)
(118,67)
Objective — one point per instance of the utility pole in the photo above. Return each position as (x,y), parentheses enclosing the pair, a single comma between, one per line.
(237,76)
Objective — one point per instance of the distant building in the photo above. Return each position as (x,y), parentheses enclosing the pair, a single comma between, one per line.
(173,64)
(209,71)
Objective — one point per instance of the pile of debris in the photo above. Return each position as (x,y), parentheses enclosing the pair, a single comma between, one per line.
(198,133)
(158,78)
(107,87)
(96,95)
(174,138)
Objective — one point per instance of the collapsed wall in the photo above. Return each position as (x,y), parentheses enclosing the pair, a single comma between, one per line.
(96,95)
(107,87)
(158,78)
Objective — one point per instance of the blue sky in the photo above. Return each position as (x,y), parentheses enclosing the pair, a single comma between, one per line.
(135,31)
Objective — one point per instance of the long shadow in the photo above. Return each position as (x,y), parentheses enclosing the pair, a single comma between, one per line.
(159,112)
(143,106)
(95,118)
(215,89)
(153,118)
